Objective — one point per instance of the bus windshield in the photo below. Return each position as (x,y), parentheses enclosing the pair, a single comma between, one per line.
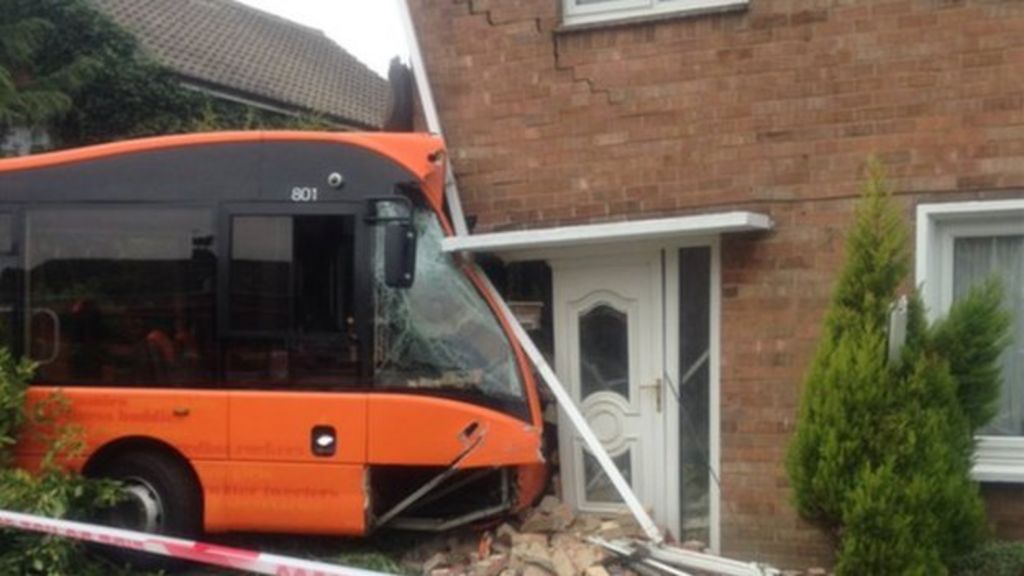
(440,334)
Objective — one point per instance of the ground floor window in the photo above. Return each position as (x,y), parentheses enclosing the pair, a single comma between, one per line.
(959,246)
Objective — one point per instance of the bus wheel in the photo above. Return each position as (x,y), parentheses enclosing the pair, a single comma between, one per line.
(159,495)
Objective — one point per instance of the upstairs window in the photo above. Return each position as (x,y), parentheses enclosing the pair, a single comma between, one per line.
(577,12)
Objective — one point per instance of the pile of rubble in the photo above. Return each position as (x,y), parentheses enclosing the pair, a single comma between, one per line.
(550,541)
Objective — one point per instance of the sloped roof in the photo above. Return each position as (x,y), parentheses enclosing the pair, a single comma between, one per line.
(230,47)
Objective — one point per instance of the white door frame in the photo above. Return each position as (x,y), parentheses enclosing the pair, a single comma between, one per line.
(667,290)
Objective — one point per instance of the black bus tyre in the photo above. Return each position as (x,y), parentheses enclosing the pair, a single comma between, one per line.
(160,496)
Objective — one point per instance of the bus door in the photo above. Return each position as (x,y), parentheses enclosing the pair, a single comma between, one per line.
(293,343)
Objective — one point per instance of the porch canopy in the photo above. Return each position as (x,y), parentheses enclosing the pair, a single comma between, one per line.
(610,233)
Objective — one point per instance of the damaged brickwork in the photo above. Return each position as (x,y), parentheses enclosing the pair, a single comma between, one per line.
(773,109)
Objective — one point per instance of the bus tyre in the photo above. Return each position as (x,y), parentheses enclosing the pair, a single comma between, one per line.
(159,495)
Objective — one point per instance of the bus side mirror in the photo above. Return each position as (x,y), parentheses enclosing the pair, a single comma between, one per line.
(394,213)
(399,254)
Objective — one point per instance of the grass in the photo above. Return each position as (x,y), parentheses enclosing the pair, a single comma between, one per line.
(380,554)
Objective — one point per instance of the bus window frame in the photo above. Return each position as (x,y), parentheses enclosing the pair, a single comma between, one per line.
(16,256)
(226,334)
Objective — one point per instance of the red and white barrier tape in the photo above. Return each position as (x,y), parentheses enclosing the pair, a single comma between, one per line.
(212,554)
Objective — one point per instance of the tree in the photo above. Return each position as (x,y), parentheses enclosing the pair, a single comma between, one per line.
(91,83)
(32,93)
(882,451)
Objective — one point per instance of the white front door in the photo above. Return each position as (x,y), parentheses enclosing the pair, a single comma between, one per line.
(610,354)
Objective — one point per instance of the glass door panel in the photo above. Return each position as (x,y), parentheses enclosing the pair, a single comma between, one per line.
(290,310)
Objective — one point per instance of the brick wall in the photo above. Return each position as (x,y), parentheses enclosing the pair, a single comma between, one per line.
(772,109)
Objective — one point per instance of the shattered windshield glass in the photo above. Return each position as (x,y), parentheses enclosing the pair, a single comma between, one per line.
(440,334)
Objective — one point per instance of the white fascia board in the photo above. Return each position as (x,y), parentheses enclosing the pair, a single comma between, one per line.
(631,231)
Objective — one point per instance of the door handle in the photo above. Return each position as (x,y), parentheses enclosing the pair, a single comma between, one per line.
(657,386)
(323,441)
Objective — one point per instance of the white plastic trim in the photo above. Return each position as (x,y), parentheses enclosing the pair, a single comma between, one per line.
(996,458)
(631,231)
(611,11)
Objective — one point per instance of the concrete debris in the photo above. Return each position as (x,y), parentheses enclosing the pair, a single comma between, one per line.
(436,561)
(550,540)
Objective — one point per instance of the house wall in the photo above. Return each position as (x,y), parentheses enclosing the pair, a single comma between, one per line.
(773,109)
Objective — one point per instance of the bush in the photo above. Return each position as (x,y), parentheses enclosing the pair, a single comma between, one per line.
(51,491)
(882,451)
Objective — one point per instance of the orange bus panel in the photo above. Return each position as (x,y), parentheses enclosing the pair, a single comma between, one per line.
(413,430)
(276,426)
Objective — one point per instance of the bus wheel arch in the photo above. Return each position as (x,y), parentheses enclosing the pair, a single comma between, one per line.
(154,472)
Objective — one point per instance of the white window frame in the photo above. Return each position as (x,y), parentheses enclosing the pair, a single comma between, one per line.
(996,458)
(612,10)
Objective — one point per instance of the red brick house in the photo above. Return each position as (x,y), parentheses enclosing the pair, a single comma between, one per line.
(685,171)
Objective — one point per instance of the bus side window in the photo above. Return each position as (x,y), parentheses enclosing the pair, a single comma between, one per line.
(106,284)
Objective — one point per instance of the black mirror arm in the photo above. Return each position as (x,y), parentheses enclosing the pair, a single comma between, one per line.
(374,219)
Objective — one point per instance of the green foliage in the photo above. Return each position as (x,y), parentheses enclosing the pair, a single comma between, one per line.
(31,93)
(845,386)
(993,559)
(51,491)
(882,450)
(91,83)
(971,339)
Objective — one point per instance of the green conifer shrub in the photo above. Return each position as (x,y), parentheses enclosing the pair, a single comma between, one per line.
(52,491)
(881,455)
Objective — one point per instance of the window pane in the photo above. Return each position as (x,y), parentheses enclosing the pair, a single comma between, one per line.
(6,233)
(292,302)
(440,334)
(604,352)
(596,484)
(8,283)
(975,260)
(121,296)
(261,273)
(9,292)
(694,390)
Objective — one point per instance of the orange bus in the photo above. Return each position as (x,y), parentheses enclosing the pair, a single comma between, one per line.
(260,332)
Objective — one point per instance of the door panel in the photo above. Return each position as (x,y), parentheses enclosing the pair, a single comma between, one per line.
(290,282)
(607,320)
(296,498)
(280,426)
